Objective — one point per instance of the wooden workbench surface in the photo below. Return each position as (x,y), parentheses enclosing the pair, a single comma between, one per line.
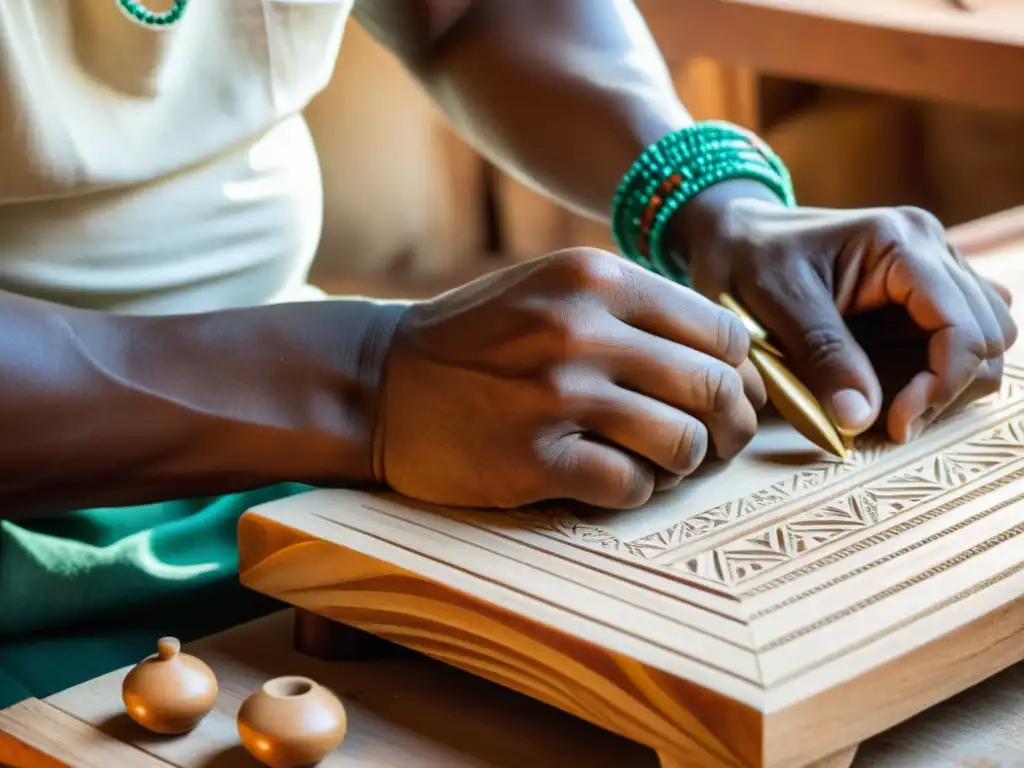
(418,713)
(407,713)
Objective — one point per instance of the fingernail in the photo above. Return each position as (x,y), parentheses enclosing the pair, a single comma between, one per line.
(920,424)
(851,411)
(914,430)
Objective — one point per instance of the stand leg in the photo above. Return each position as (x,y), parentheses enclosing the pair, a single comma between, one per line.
(327,640)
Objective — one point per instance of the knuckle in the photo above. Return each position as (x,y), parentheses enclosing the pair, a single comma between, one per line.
(995,346)
(691,448)
(562,333)
(975,343)
(585,269)
(889,226)
(920,219)
(564,394)
(907,224)
(553,462)
(569,338)
(824,348)
(720,388)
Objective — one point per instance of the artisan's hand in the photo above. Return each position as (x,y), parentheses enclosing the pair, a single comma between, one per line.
(889,271)
(576,376)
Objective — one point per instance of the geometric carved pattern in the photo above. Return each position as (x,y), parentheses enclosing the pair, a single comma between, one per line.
(884,535)
(729,625)
(741,560)
(731,563)
(736,636)
(738,561)
(718,517)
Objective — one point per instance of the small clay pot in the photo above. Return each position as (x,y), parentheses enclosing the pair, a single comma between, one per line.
(169,692)
(291,722)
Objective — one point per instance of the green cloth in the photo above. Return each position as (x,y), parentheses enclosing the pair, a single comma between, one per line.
(89,591)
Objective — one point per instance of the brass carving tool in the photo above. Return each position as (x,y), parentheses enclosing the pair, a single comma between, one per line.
(793,400)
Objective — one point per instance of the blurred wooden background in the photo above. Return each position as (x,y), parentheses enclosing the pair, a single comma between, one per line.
(411,210)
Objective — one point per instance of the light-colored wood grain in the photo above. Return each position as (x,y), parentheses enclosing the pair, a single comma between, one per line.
(919,48)
(37,734)
(414,713)
(729,623)
(978,729)
(402,713)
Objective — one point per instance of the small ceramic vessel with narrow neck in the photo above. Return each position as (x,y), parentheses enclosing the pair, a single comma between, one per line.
(169,692)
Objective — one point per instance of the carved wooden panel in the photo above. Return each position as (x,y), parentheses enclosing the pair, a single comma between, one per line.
(729,623)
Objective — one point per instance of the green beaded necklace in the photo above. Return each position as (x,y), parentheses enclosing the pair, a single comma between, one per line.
(142,15)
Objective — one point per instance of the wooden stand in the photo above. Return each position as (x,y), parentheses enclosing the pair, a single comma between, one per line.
(730,622)
(764,615)
(327,640)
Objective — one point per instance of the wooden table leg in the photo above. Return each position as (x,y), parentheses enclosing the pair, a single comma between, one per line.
(322,638)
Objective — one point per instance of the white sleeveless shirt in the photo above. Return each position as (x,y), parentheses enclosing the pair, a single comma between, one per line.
(156,170)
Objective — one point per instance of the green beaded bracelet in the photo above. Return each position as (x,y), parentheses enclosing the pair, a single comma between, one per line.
(676,169)
(139,13)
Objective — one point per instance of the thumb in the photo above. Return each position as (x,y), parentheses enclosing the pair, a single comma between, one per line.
(797,309)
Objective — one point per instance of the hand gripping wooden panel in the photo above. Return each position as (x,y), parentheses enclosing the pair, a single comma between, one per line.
(772,612)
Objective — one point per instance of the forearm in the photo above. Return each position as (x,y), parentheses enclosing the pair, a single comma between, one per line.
(101,409)
(566,94)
